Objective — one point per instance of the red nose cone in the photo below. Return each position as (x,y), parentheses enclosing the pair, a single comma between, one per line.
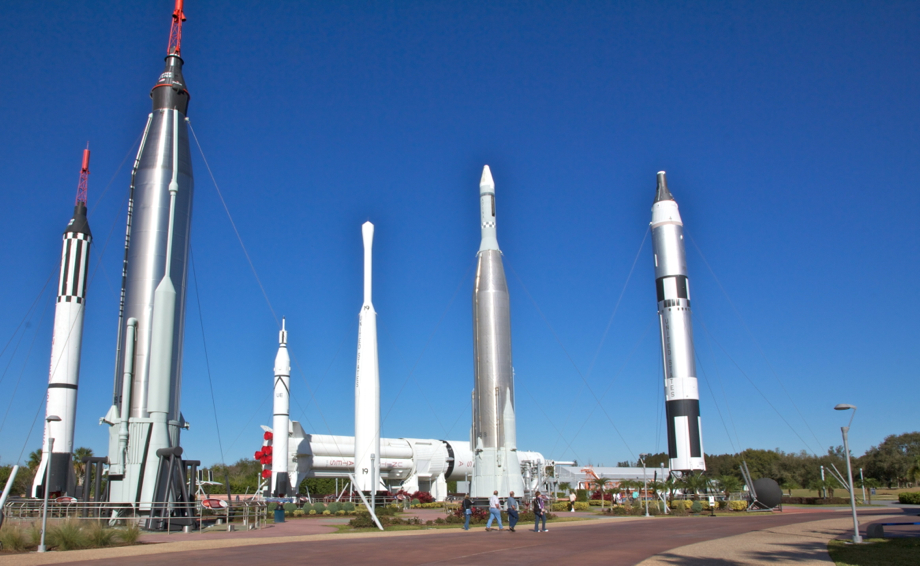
(267,436)
(258,455)
(266,474)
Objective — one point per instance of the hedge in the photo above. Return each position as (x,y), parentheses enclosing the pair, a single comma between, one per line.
(816,500)
(909,498)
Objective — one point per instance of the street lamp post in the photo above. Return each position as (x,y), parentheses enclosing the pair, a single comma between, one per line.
(645,481)
(862,480)
(49,419)
(846,448)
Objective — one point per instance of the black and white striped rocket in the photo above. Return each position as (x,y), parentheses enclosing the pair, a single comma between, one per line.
(281,419)
(66,341)
(682,399)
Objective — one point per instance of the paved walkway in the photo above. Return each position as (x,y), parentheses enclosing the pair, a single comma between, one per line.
(752,539)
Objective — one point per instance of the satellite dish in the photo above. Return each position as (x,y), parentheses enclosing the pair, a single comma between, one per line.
(769,494)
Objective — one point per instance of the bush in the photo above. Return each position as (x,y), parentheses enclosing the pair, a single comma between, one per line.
(737,505)
(298,513)
(909,498)
(289,507)
(430,505)
(816,500)
(581,495)
(272,506)
(696,507)
(582,506)
(340,512)
(319,508)
(334,507)
(99,535)
(348,506)
(307,507)
(414,502)
(362,521)
(13,538)
(67,535)
(312,512)
(681,504)
(423,497)
(326,512)
(129,535)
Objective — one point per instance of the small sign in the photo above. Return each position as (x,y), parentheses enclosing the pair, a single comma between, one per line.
(635,495)
(872,490)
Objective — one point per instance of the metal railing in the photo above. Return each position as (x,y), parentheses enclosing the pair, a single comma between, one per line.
(186,517)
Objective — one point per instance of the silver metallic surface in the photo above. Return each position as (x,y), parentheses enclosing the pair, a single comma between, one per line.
(147,254)
(492,371)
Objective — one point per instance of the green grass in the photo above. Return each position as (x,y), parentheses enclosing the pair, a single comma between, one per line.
(876,552)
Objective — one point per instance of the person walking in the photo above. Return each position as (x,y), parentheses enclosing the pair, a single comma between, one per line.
(495,511)
(572,502)
(512,505)
(467,506)
(539,512)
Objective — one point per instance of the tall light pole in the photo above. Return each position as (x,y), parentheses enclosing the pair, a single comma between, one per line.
(645,481)
(862,480)
(846,448)
(49,419)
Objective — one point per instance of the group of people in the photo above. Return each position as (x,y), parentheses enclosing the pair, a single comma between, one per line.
(539,505)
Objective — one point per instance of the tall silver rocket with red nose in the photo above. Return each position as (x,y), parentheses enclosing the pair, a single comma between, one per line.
(682,398)
(495,463)
(145,417)
(64,375)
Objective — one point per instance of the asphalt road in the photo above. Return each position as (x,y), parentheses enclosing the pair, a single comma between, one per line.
(598,542)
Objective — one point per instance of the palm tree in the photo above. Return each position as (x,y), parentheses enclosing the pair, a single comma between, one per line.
(565,486)
(35,459)
(601,485)
(79,466)
(730,484)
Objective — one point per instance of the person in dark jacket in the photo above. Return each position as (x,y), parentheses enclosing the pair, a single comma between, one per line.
(467,507)
(539,512)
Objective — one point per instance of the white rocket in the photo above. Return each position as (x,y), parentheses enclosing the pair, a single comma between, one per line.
(682,398)
(496,463)
(66,341)
(367,383)
(281,485)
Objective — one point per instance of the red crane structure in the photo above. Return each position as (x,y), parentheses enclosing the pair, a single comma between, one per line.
(84,179)
(175,32)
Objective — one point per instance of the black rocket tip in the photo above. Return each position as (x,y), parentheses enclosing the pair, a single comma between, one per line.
(663,193)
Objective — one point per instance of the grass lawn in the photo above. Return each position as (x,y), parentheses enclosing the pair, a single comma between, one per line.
(876,552)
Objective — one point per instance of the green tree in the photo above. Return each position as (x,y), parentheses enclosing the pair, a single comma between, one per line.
(79,467)
(913,472)
(565,486)
(729,484)
(35,459)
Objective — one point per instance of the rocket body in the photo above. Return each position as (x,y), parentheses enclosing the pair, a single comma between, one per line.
(67,340)
(367,383)
(281,421)
(685,443)
(154,295)
(495,464)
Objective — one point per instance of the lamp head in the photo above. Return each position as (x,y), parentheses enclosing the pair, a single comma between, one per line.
(53,418)
(844,407)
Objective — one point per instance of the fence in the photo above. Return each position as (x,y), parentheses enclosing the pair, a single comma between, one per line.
(172,517)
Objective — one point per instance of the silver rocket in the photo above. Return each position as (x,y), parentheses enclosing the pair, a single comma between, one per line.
(64,375)
(493,438)
(682,399)
(148,383)
(367,383)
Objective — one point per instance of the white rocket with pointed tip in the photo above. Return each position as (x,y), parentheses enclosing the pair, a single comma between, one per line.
(496,464)
(281,484)
(367,383)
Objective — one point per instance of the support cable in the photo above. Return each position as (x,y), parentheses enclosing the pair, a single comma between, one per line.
(567,355)
(756,343)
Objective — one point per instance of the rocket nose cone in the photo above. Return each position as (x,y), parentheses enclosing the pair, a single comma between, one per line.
(170,91)
(662,192)
(486,182)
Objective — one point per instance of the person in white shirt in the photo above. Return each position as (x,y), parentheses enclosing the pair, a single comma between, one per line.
(495,511)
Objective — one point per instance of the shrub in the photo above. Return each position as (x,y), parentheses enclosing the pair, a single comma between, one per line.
(289,507)
(439,521)
(681,504)
(130,534)
(581,495)
(340,512)
(362,521)
(696,507)
(414,502)
(737,505)
(423,497)
(326,512)
(13,538)
(679,510)
(908,498)
(349,506)
(312,512)
(334,507)
(99,535)
(430,505)
(319,508)
(582,506)
(66,535)
(298,513)
(272,506)
(560,506)
(307,507)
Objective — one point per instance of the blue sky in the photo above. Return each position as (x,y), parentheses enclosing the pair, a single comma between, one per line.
(789,130)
